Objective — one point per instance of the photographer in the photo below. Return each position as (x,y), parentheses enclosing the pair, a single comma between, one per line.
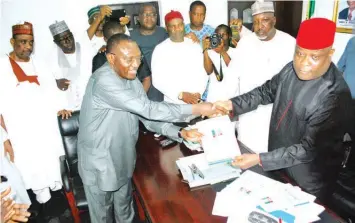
(217,55)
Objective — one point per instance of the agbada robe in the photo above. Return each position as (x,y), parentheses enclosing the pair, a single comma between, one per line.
(308,122)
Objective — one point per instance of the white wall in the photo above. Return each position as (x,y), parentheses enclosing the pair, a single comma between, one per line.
(42,13)
(324,8)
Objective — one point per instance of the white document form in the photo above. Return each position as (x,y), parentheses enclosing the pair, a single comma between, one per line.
(219,142)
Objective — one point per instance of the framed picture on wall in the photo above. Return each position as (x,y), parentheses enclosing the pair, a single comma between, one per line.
(344,15)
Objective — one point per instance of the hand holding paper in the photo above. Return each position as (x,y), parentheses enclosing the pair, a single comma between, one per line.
(192,135)
(246,161)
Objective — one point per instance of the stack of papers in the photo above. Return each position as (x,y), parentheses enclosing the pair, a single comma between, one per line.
(254,196)
(218,142)
(197,172)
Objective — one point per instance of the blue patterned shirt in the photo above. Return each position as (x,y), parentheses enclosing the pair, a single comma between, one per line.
(206,30)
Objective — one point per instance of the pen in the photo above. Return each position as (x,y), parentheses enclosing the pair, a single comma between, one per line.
(193,172)
(198,171)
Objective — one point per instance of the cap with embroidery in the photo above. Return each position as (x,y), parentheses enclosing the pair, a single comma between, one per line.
(262,6)
(316,34)
(93,11)
(173,15)
(58,27)
(25,28)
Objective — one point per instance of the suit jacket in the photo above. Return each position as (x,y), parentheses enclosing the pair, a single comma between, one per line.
(108,131)
(343,14)
(308,122)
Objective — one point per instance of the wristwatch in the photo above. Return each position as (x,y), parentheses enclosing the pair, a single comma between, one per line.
(180,95)
(179,133)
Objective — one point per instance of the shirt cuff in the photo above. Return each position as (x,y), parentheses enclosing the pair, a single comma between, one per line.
(186,109)
(173,133)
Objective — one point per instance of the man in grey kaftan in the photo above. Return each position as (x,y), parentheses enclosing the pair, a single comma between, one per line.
(113,104)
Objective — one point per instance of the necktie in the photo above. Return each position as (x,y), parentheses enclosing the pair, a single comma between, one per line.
(350,16)
(20,74)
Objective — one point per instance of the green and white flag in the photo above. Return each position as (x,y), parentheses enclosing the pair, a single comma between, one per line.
(311,8)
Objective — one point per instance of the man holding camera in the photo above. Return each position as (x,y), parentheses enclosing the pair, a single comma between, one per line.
(260,55)
(181,77)
(217,56)
(97,17)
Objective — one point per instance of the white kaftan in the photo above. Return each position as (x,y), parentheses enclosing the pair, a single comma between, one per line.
(30,114)
(257,62)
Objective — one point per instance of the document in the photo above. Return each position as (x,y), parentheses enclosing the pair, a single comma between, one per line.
(205,174)
(254,195)
(218,142)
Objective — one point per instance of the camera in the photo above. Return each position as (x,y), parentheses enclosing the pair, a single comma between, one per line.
(215,40)
(116,15)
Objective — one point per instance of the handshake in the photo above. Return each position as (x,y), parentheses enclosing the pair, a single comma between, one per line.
(212,109)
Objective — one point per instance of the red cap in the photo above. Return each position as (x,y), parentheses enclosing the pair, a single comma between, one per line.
(316,34)
(173,15)
(25,28)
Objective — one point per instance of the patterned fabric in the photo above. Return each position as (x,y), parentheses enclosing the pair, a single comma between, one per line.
(93,11)
(58,28)
(261,7)
(206,30)
(20,74)
(204,95)
(25,28)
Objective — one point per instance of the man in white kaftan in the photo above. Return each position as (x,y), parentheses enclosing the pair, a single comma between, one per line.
(71,62)
(177,65)
(9,170)
(260,56)
(30,104)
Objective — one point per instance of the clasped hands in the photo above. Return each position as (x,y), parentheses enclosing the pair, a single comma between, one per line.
(206,109)
(12,212)
(218,108)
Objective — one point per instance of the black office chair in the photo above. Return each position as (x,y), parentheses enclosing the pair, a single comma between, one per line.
(343,199)
(72,183)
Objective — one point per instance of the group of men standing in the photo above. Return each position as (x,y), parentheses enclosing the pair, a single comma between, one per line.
(292,114)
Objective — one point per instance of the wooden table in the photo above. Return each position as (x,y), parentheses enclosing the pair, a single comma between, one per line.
(165,199)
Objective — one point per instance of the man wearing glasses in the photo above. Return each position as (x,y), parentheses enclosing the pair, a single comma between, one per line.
(72,62)
(147,36)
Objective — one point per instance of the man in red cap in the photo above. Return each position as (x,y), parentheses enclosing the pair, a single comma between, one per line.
(310,116)
(177,65)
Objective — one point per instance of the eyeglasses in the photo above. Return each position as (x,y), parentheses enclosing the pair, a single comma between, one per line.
(130,60)
(146,15)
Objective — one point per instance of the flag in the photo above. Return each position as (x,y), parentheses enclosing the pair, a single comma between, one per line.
(311,8)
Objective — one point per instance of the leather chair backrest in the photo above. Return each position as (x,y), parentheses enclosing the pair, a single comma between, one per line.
(69,130)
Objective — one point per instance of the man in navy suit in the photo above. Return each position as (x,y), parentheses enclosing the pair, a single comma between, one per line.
(346,14)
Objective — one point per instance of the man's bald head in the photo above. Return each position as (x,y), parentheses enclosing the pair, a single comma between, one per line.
(123,55)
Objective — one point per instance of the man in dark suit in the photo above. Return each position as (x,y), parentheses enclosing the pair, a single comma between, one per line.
(347,13)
